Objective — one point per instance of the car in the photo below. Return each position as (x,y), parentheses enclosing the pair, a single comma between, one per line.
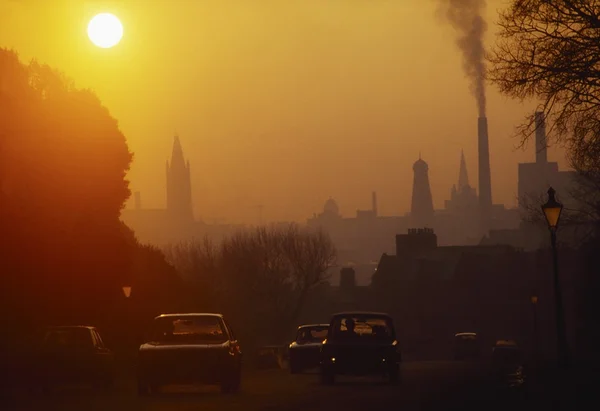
(360,343)
(73,354)
(190,348)
(508,364)
(466,346)
(305,351)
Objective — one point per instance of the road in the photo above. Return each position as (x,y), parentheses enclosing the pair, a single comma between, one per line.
(425,386)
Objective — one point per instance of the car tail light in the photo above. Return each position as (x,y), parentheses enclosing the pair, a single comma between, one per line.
(234,349)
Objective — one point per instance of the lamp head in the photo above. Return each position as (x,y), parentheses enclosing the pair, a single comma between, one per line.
(552,210)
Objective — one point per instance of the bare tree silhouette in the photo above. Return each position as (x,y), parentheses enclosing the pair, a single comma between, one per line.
(550,50)
(262,277)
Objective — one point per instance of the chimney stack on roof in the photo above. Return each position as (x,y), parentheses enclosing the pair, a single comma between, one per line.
(541,151)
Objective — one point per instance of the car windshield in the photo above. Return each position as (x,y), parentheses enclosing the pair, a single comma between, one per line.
(189,329)
(311,334)
(362,328)
(67,338)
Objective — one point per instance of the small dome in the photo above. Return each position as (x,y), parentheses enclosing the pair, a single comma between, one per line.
(331,207)
(420,165)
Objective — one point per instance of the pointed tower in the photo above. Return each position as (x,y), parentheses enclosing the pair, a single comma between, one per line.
(179,187)
(463,176)
(421,211)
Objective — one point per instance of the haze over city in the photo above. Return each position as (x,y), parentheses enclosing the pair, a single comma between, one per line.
(283,104)
(299,204)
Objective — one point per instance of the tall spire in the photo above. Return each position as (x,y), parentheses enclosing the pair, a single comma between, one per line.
(463,176)
(177,153)
(179,188)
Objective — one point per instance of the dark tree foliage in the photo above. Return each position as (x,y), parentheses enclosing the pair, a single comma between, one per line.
(550,50)
(63,162)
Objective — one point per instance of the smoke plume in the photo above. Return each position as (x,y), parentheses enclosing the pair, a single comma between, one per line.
(466,16)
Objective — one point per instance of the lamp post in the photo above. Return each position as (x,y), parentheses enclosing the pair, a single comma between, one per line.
(552,210)
(534,301)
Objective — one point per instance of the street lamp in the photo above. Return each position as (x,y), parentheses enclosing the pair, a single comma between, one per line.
(534,302)
(552,210)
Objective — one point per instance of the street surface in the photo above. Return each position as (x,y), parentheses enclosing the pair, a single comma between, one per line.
(425,386)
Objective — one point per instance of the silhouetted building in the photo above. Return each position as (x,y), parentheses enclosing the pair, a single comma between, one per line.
(359,240)
(421,210)
(179,185)
(536,178)
(175,222)
(347,277)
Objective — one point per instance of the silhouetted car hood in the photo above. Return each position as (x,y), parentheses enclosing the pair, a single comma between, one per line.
(167,346)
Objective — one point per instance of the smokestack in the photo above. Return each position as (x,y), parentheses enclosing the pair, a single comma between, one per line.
(374,203)
(541,153)
(485,179)
(137,200)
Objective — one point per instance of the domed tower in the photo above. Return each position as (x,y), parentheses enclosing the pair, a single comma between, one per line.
(421,210)
(331,208)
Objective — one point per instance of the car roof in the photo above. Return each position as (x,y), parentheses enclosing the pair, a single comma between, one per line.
(174,315)
(371,313)
(312,326)
(67,327)
(506,344)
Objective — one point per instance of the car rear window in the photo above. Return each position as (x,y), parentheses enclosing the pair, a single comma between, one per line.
(187,329)
(362,328)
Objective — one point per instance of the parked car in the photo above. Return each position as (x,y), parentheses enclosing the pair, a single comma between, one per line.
(73,354)
(466,346)
(190,348)
(360,343)
(508,364)
(305,350)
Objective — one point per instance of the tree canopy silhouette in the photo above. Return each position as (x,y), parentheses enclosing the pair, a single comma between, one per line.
(63,162)
(261,277)
(550,50)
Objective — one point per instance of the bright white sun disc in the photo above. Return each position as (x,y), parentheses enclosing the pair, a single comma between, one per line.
(105,30)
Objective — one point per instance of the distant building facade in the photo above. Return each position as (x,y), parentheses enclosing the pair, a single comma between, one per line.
(535,178)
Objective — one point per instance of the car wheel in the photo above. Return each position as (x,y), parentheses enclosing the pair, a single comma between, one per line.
(105,385)
(394,376)
(294,367)
(232,384)
(144,389)
(327,378)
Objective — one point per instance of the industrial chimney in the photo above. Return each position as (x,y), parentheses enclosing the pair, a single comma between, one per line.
(485,179)
(541,152)
(374,203)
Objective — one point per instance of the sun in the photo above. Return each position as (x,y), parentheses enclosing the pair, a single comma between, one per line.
(105,30)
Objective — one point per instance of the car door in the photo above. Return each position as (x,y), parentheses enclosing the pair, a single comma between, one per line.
(104,356)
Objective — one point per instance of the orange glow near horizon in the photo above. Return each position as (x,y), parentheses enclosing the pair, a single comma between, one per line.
(281,103)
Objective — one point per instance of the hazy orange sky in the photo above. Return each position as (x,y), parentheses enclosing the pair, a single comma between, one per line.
(281,102)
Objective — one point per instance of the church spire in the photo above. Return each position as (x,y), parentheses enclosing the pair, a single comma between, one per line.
(177,153)
(463,177)
(179,188)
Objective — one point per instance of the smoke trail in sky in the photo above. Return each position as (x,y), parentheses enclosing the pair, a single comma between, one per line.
(466,16)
